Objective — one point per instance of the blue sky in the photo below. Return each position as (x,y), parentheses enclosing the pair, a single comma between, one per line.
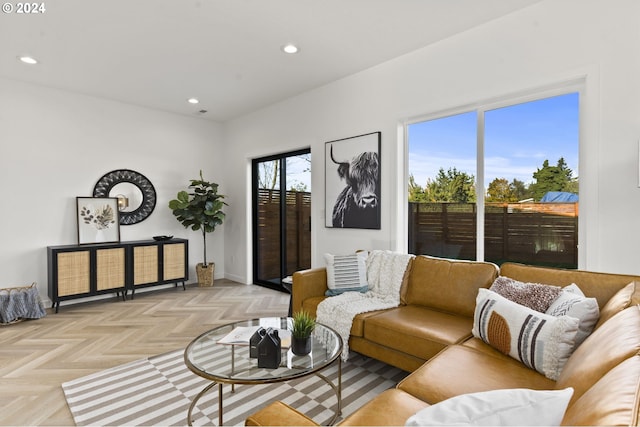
(518,139)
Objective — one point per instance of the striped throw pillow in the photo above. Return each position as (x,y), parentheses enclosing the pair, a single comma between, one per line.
(540,341)
(346,273)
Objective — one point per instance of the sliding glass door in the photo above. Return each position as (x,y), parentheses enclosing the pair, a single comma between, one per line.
(281,216)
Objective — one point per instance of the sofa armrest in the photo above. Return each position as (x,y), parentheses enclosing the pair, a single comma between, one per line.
(307,284)
(278,414)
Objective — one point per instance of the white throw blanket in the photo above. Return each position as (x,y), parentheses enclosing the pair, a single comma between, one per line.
(385,271)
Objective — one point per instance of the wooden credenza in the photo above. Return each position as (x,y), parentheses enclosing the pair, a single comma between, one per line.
(78,271)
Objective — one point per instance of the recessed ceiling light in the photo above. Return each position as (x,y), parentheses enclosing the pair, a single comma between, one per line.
(28,60)
(193,100)
(290,48)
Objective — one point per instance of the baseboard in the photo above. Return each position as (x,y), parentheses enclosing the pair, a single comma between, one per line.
(236,278)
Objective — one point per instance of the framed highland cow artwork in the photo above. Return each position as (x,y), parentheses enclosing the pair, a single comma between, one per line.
(98,220)
(352,182)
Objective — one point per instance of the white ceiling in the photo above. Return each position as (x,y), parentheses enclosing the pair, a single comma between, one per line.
(158,53)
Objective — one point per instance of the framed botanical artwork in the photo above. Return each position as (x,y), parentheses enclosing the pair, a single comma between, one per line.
(98,220)
(352,182)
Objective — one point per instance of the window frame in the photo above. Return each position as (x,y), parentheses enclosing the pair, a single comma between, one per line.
(480,108)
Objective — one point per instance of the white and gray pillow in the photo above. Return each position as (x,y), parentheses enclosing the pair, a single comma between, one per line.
(346,273)
(572,302)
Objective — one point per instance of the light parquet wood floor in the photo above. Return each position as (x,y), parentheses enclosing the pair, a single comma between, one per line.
(36,356)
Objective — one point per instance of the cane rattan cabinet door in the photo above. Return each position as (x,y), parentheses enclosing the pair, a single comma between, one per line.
(110,268)
(73,273)
(145,264)
(174,265)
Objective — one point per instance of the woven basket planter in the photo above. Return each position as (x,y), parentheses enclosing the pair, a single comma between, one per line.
(205,274)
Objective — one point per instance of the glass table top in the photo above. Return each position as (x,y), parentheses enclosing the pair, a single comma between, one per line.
(230,363)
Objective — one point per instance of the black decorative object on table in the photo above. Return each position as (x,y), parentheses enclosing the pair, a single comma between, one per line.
(255,340)
(161,238)
(269,350)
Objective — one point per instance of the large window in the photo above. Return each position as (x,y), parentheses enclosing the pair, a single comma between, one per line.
(497,184)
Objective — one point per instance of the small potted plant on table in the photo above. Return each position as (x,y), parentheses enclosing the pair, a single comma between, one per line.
(302,325)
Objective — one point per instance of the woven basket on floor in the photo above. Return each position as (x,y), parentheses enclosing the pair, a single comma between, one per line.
(205,275)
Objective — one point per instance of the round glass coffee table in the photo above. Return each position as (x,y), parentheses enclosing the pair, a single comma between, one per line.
(229,363)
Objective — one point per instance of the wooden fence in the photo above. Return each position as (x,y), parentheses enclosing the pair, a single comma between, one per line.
(533,233)
(298,232)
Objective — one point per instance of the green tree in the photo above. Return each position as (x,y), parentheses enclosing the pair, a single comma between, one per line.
(520,189)
(572,186)
(416,191)
(500,190)
(551,178)
(451,186)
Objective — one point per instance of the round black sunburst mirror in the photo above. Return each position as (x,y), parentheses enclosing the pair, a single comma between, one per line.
(135,193)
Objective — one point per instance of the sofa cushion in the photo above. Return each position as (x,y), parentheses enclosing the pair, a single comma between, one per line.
(390,408)
(536,296)
(346,273)
(540,341)
(510,407)
(388,355)
(605,348)
(572,302)
(357,327)
(278,414)
(462,369)
(447,285)
(612,400)
(625,297)
(416,330)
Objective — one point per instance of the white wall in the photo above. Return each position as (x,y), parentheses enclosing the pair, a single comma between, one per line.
(546,44)
(55,145)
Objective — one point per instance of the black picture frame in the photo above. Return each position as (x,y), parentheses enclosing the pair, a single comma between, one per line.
(352,182)
(142,194)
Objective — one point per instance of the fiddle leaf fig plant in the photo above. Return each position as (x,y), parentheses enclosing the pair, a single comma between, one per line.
(200,209)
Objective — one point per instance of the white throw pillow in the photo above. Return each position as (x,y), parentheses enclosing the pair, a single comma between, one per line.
(572,302)
(511,407)
(346,273)
(540,341)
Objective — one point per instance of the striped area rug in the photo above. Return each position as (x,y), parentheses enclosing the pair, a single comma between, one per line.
(159,390)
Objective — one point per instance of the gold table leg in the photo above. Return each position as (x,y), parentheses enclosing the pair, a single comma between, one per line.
(202,393)
(337,390)
(195,400)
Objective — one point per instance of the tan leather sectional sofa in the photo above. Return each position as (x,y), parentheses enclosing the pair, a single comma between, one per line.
(429,335)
